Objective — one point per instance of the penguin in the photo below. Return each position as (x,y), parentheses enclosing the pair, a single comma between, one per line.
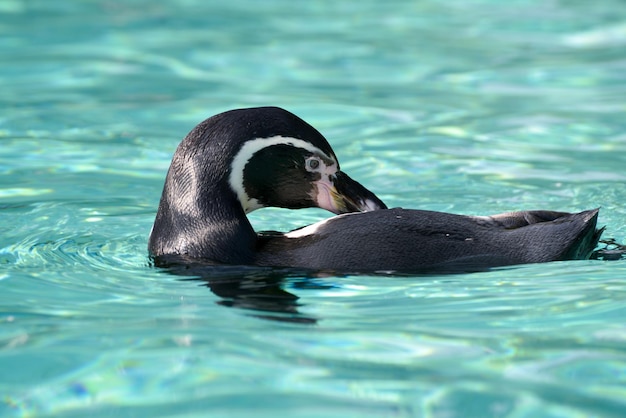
(244,159)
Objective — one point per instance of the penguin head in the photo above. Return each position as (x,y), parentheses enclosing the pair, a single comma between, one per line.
(289,172)
(294,168)
(265,157)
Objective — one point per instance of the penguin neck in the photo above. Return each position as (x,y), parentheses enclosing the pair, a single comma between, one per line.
(226,235)
(210,225)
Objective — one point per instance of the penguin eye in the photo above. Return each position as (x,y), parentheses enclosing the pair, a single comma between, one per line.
(312,163)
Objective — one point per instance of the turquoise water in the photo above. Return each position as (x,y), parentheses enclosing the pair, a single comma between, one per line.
(472,107)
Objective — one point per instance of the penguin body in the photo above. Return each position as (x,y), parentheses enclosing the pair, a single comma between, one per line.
(245,159)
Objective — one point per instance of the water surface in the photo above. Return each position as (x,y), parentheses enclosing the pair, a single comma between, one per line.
(472,107)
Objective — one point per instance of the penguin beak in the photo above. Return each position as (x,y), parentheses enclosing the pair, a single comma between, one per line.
(338,193)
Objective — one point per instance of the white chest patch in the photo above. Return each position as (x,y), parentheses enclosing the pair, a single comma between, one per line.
(315,228)
(245,154)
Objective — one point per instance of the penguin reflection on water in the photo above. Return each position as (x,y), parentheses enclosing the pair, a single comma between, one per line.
(245,159)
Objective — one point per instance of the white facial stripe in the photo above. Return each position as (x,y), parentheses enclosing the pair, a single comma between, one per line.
(248,150)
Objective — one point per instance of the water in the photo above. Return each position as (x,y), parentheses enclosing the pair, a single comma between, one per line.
(465,106)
